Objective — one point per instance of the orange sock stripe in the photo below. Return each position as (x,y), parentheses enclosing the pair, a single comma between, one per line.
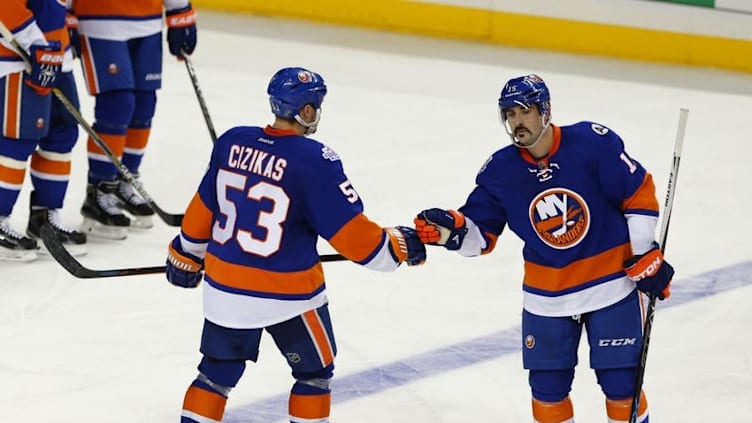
(310,407)
(553,412)
(620,410)
(319,336)
(204,403)
(137,138)
(12,106)
(53,167)
(11,175)
(116,143)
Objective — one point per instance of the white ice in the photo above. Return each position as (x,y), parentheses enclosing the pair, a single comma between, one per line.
(413,119)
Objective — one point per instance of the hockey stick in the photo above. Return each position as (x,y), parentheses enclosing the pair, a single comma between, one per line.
(170,219)
(650,313)
(75,268)
(199,95)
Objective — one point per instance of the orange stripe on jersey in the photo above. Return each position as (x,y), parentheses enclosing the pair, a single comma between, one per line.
(644,197)
(12,118)
(116,143)
(554,279)
(93,8)
(197,222)
(319,336)
(621,410)
(137,138)
(266,281)
(53,167)
(358,238)
(12,176)
(87,61)
(492,238)
(310,407)
(553,412)
(204,403)
(14,14)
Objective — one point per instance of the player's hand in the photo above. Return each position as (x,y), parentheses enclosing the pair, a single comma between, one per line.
(181,31)
(46,62)
(71,24)
(441,227)
(406,246)
(183,269)
(651,272)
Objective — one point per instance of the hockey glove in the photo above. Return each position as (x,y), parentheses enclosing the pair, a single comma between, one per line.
(405,245)
(183,269)
(651,272)
(181,31)
(441,227)
(71,24)
(46,62)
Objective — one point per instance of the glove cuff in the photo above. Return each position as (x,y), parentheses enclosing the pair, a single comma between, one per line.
(181,18)
(397,244)
(183,261)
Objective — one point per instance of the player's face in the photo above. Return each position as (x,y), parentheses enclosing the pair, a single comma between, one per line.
(525,123)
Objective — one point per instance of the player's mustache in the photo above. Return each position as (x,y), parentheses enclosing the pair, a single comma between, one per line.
(520,129)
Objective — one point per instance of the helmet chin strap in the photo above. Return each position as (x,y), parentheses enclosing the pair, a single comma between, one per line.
(310,126)
(545,120)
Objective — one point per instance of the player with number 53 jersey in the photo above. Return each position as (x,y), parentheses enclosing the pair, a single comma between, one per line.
(253,227)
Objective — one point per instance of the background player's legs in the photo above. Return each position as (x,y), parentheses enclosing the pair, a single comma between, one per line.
(137,137)
(307,342)
(50,170)
(25,117)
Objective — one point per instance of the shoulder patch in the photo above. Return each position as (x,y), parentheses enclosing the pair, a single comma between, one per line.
(329,154)
(599,129)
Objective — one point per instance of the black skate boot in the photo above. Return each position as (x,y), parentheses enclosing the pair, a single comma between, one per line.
(102,216)
(136,206)
(73,240)
(13,245)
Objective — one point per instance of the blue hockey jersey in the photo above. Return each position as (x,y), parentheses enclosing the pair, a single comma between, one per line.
(265,199)
(571,210)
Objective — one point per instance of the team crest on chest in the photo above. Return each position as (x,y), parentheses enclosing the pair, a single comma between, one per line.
(560,217)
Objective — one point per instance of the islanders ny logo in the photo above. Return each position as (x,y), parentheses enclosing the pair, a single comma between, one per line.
(560,217)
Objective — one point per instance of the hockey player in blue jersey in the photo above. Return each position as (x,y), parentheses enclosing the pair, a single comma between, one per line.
(586,212)
(252,228)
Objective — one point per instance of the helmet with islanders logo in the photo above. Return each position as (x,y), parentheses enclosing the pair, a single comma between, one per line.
(291,89)
(525,91)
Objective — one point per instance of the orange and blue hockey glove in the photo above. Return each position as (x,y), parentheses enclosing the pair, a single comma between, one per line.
(405,245)
(651,272)
(441,227)
(46,62)
(183,269)
(181,30)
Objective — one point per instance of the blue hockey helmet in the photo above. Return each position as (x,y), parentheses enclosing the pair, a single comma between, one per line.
(525,91)
(291,89)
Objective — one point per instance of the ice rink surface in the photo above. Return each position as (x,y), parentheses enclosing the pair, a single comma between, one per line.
(413,120)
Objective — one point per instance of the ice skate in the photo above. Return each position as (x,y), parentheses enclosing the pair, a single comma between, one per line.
(137,207)
(102,216)
(14,246)
(73,240)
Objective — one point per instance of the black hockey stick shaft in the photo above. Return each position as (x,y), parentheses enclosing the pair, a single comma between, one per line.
(168,218)
(199,95)
(650,312)
(74,267)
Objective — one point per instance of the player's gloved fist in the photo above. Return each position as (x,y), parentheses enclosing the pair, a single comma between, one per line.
(181,31)
(183,269)
(406,246)
(71,24)
(651,272)
(46,62)
(441,227)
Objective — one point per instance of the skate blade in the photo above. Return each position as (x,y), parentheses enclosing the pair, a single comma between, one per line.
(93,228)
(141,222)
(19,256)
